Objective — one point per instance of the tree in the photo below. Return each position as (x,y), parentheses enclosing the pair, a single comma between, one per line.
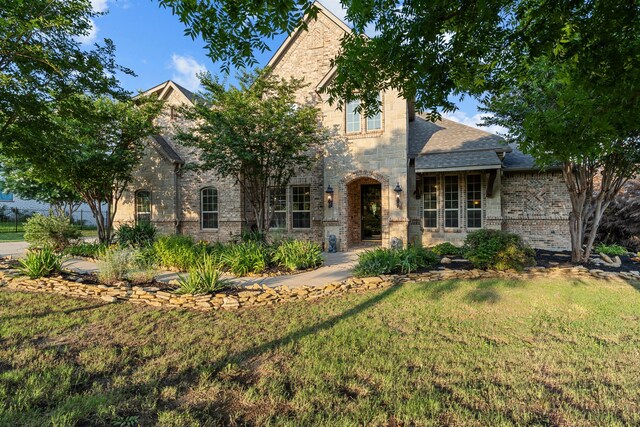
(42,63)
(621,221)
(21,178)
(255,134)
(93,149)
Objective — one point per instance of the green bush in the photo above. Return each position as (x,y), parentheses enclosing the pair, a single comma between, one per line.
(50,231)
(297,255)
(41,263)
(139,235)
(446,248)
(498,250)
(246,257)
(611,249)
(178,252)
(115,264)
(85,249)
(204,277)
(392,261)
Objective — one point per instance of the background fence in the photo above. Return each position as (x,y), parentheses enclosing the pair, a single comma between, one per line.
(12,219)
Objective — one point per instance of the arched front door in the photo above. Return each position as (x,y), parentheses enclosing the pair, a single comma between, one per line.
(371,212)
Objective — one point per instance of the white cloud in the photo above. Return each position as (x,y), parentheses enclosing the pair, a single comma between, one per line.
(335,7)
(185,70)
(91,36)
(99,5)
(465,119)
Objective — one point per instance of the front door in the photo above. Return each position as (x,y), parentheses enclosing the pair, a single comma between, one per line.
(371,208)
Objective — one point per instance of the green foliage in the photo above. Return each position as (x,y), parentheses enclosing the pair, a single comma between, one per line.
(204,277)
(498,250)
(297,255)
(115,263)
(446,248)
(178,252)
(85,249)
(611,249)
(258,135)
(41,263)
(393,261)
(246,257)
(54,231)
(138,235)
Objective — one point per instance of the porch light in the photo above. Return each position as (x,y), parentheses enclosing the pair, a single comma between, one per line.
(329,192)
(398,190)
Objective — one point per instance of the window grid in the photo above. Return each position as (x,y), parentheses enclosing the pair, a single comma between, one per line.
(143,206)
(278,207)
(301,206)
(430,202)
(353,116)
(474,201)
(375,122)
(209,208)
(451,202)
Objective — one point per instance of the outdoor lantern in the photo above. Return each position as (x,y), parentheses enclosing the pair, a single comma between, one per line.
(329,192)
(398,190)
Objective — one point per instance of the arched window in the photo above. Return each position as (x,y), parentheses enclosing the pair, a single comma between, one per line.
(143,206)
(209,208)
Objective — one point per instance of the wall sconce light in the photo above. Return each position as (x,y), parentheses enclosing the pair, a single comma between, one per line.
(398,190)
(329,192)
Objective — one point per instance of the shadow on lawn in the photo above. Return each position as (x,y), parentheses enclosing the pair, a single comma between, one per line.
(486,291)
(50,312)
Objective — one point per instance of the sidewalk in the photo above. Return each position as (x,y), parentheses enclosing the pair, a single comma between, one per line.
(336,267)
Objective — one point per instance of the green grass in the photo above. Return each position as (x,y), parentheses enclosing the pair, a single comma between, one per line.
(490,352)
(10,236)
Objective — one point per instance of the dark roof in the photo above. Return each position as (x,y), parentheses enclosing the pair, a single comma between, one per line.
(462,160)
(186,92)
(445,136)
(166,149)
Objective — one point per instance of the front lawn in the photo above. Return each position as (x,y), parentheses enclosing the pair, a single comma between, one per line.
(490,352)
(9,236)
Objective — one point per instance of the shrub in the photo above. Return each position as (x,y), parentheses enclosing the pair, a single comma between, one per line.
(41,263)
(297,255)
(144,267)
(139,235)
(621,221)
(115,264)
(498,250)
(178,252)
(52,231)
(446,248)
(611,249)
(246,257)
(389,261)
(85,249)
(204,277)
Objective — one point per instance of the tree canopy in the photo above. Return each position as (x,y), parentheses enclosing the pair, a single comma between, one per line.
(255,134)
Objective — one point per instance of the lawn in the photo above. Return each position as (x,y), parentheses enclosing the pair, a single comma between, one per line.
(491,352)
(6,236)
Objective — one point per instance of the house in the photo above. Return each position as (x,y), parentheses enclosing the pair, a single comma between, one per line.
(394,175)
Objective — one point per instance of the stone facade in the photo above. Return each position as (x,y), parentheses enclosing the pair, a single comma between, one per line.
(530,203)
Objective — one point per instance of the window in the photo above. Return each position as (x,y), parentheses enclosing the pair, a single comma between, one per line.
(278,207)
(301,206)
(353,116)
(209,208)
(375,122)
(451,202)
(430,202)
(143,206)
(474,201)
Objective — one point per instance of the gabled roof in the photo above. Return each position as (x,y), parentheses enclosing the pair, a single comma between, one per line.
(294,35)
(165,149)
(165,88)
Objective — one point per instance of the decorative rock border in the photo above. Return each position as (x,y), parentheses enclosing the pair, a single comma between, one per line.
(256,295)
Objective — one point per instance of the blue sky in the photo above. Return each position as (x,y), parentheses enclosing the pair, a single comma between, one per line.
(151,41)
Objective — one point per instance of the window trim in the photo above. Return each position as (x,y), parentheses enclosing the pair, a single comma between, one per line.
(293,211)
(271,212)
(202,211)
(137,212)
(444,201)
(481,208)
(436,210)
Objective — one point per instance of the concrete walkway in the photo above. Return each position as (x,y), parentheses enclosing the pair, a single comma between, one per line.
(336,267)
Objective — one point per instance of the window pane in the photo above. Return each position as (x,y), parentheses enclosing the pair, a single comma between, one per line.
(209,208)
(451,202)
(143,206)
(278,207)
(474,218)
(301,206)
(430,219)
(474,201)
(301,220)
(352,116)
(451,219)
(430,202)
(375,122)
